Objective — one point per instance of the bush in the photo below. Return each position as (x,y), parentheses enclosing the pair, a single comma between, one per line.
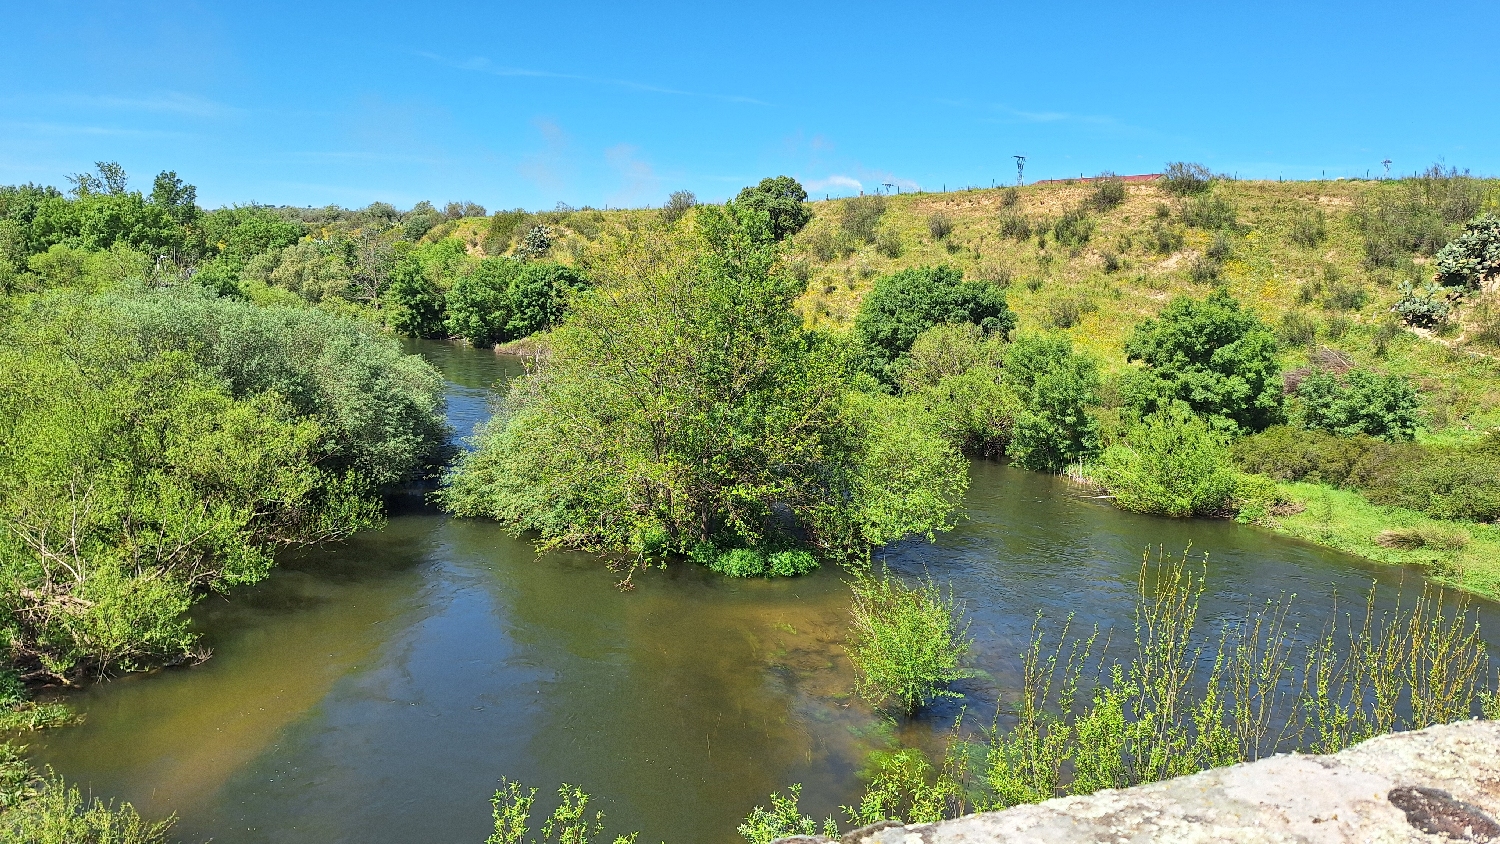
(1163,239)
(907,644)
(1220,250)
(678,204)
(1009,197)
(1015,226)
(1440,537)
(1108,193)
(1309,227)
(58,814)
(1073,228)
(888,243)
(1110,261)
(859,216)
(1056,387)
(1181,178)
(1203,269)
(946,350)
(783,200)
(751,562)
(1342,296)
(1212,354)
(1473,257)
(1067,311)
(1297,329)
(1416,215)
(683,403)
(939,225)
(906,303)
(1171,463)
(784,819)
(1360,402)
(1209,212)
(502,299)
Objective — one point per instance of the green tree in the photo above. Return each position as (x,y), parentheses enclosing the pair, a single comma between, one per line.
(1056,387)
(907,643)
(783,200)
(1217,357)
(683,404)
(904,304)
(479,305)
(1360,402)
(1171,463)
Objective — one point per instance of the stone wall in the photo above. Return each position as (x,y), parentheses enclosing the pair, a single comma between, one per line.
(1441,784)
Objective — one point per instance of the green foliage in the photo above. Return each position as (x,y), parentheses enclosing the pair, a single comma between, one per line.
(1211,354)
(888,243)
(1416,215)
(1171,463)
(1189,700)
(1015,226)
(859,216)
(954,370)
(1056,387)
(58,814)
(907,643)
(783,819)
(783,200)
(1211,212)
(415,302)
(904,304)
(678,205)
(569,823)
(752,562)
(1473,257)
(241,232)
(502,299)
(1309,228)
(1181,178)
(1074,227)
(939,225)
(1359,402)
(1107,194)
(682,399)
(1427,306)
(904,786)
(1442,482)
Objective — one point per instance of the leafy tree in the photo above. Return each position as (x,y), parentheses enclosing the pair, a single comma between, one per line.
(906,303)
(244,231)
(678,204)
(1056,387)
(782,199)
(1360,402)
(177,198)
(313,270)
(1211,354)
(682,404)
(1171,463)
(538,297)
(479,303)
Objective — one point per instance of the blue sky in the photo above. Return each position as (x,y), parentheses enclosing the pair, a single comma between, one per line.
(531,104)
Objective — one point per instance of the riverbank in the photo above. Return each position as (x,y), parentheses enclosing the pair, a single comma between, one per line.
(1462,555)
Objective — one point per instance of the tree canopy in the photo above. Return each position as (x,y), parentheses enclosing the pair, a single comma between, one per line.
(782,199)
(904,304)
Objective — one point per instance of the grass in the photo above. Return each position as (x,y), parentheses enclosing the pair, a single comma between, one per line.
(1346,521)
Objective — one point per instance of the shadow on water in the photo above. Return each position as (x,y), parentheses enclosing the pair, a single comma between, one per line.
(376,691)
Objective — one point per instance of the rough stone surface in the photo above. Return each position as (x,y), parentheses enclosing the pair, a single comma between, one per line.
(1441,784)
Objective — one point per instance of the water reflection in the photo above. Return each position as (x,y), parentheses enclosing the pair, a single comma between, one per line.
(377,691)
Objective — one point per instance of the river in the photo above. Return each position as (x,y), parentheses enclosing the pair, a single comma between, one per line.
(376,691)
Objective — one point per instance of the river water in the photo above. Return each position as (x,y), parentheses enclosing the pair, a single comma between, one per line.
(378,690)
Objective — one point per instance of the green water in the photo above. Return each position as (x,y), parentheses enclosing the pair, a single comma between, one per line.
(377,691)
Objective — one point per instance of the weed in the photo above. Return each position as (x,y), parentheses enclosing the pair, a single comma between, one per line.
(1220,250)
(1210,212)
(995,274)
(1163,239)
(1073,228)
(1009,197)
(1034,283)
(1110,261)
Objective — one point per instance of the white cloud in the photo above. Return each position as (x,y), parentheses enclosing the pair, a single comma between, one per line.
(834,182)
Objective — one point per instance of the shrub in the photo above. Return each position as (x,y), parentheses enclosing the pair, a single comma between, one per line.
(784,819)
(1015,226)
(1297,329)
(536,243)
(1067,311)
(1009,197)
(888,243)
(1209,212)
(1108,193)
(1212,354)
(1110,261)
(1203,269)
(859,216)
(1056,387)
(570,822)
(686,372)
(1073,228)
(678,204)
(1416,215)
(1359,402)
(1181,178)
(1171,463)
(783,200)
(1473,257)
(946,350)
(1440,537)
(1309,227)
(1345,296)
(906,303)
(1425,307)
(907,643)
(1163,239)
(1485,318)
(56,813)
(939,225)
(1220,250)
